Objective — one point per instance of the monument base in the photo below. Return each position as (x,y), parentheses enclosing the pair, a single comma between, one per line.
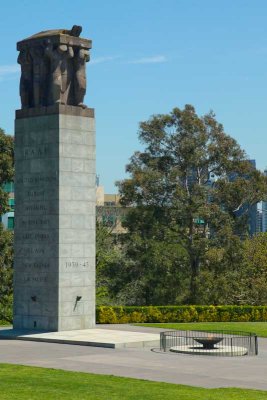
(54,269)
(87,337)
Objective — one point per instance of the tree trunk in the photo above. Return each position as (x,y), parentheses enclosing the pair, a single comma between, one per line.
(194,261)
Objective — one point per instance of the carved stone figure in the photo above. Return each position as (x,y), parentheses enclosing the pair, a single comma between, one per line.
(60,70)
(81,58)
(25,87)
(53,68)
(39,68)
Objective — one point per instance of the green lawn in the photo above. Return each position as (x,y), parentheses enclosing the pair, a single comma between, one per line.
(28,383)
(260,328)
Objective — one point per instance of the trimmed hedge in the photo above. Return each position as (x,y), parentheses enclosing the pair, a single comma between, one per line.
(135,314)
(125,314)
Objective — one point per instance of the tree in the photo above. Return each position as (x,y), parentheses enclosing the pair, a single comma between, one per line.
(6,274)
(255,274)
(154,272)
(222,279)
(6,167)
(6,237)
(109,256)
(171,194)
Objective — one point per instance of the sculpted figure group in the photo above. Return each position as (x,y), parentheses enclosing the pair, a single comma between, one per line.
(52,73)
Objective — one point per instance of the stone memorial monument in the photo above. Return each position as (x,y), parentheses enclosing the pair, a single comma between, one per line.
(54,270)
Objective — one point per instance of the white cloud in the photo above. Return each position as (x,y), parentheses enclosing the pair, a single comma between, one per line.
(99,60)
(9,69)
(149,60)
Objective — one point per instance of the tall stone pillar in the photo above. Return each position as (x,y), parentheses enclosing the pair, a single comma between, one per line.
(54,270)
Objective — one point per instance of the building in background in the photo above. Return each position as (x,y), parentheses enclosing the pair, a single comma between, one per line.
(259,227)
(251,211)
(253,216)
(109,211)
(100,196)
(8,218)
(264,210)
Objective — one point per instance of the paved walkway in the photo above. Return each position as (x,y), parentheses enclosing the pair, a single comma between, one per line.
(205,371)
(112,338)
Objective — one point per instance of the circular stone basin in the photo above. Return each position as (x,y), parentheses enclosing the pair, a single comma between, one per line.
(208,342)
(219,350)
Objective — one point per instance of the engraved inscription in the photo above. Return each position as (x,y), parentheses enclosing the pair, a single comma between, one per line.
(36,152)
(27,279)
(43,222)
(77,264)
(36,265)
(36,180)
(35,193)
(28,251)
(35,207)
(33,236)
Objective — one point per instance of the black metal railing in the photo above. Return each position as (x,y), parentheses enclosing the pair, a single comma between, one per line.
(213,343)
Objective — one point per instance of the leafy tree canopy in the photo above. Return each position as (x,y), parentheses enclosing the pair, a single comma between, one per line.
(6,237)
(6,167)
(6,274)
(192,185)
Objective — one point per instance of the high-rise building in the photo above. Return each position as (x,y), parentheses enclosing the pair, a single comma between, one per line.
(254,217)
(264,211)
(259,221)
(8,218)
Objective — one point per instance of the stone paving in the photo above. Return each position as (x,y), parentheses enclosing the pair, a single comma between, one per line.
(143,363)
(88,337)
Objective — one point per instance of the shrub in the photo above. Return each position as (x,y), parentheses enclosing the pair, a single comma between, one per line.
(132,314)
(154,314)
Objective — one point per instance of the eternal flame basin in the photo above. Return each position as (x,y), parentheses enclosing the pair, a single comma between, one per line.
(208,342)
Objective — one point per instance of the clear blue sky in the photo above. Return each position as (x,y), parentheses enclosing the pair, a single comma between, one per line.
(148,57)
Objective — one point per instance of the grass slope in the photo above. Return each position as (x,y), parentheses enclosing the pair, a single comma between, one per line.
(260,328)
(31,383)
